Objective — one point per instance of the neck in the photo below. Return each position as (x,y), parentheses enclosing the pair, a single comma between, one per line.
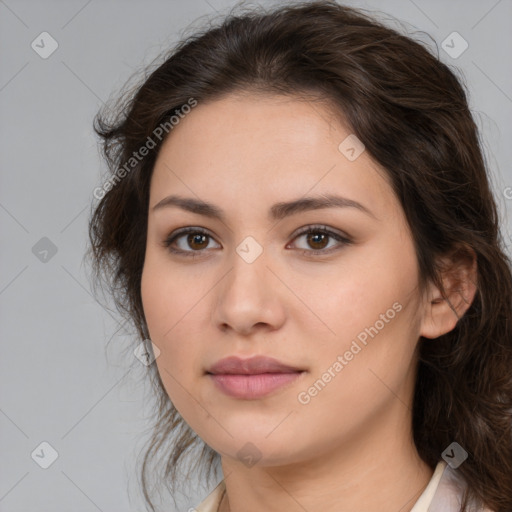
(378,470)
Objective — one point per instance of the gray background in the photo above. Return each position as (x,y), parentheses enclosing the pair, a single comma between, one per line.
(68,376)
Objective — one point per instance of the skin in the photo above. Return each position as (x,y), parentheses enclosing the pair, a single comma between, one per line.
(350,448)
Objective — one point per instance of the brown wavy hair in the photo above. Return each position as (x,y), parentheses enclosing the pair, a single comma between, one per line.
(411,112)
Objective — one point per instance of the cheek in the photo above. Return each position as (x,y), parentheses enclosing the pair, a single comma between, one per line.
(166,297)
(165,305)
(155,301)
(176,311)
(172,330)
(371,308)
(349,298)
(365,367)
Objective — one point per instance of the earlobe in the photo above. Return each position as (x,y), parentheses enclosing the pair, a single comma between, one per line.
(459,277)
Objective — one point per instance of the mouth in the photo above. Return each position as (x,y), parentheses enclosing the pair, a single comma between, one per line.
(252,378)
(253,386)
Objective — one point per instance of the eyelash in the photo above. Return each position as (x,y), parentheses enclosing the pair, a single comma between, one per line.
(309,229)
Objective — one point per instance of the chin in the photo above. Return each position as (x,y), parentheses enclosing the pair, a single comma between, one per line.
(257,450)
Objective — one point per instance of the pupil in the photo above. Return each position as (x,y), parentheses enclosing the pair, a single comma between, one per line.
(194,238)
(322,235)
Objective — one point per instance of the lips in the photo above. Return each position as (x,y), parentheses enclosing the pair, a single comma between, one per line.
(253,378)
(252,366)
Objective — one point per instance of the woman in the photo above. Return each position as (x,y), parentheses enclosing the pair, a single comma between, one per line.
(299,218)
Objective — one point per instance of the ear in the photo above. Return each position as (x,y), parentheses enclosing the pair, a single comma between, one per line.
(459,278)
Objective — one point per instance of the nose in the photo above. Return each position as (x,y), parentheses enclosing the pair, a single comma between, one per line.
(249,298)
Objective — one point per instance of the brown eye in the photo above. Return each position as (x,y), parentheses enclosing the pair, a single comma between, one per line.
(195,241)
(318,238)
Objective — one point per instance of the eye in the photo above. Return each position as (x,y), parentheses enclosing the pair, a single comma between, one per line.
(197,239)
(318,236)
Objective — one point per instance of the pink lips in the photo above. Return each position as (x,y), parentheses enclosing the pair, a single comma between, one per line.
(251,378)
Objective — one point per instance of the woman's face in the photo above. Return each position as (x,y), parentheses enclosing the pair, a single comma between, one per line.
(347,312)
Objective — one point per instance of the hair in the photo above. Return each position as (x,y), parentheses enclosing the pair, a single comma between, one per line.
(411,113)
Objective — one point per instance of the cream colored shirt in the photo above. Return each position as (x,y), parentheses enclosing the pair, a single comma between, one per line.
(442,494)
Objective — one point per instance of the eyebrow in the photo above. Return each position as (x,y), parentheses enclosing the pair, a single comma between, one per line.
(277,212)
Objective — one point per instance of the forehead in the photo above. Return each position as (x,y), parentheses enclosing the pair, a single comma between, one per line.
(243,150)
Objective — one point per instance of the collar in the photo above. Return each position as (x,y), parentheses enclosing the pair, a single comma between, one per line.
(442,493)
